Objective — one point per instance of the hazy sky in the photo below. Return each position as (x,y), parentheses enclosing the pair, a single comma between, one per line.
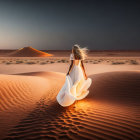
(58,24)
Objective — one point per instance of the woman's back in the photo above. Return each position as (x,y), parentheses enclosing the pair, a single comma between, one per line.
(76,72)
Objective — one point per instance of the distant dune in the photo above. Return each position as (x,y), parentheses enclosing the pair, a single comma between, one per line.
(28,52)
(110,111)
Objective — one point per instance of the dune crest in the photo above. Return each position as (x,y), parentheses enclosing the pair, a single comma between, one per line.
(29,52)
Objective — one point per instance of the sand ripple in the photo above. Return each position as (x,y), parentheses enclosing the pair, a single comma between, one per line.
(109,112)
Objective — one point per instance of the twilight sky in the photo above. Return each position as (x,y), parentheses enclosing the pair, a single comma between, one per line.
(58,24)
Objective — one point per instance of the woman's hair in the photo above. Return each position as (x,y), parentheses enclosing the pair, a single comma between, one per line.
(79,53)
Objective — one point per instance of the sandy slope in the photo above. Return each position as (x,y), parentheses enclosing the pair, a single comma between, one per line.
(110,111)
(28,52)
(20,94)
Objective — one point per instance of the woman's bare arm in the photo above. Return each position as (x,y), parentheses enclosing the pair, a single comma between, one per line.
(83,68)
(70,68)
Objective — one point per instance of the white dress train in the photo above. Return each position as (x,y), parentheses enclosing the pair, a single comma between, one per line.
(75,86)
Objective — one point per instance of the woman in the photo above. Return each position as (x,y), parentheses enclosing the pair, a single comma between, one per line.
(76,84)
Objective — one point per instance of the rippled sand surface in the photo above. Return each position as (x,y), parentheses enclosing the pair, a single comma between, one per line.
(110,111)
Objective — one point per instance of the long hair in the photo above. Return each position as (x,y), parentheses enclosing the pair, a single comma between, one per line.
(79,53)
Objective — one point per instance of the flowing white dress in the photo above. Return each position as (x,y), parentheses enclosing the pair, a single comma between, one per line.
(75,86)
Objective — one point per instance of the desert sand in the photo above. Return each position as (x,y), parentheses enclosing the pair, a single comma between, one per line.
(28,52)
(110,111)
(29,110)
(66,53)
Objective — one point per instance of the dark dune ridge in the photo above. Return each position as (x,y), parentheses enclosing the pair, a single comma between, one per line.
(110,111)
(121,87)
(28,52)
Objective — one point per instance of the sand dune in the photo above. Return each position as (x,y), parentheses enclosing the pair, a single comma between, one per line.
(121,87)
(110,111)
(19,95)
(28,52)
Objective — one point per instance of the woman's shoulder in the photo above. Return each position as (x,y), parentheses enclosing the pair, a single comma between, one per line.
(71,56)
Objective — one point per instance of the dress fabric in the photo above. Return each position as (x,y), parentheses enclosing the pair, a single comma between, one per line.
(75,86)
